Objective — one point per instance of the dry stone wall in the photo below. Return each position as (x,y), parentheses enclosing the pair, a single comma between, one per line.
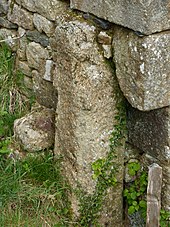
(72,61)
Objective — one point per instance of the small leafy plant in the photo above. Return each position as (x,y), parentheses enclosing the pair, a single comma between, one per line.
(164,218)
(135,193)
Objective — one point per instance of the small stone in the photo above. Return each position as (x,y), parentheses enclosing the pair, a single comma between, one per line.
(21,17)
(36,56)
(35,131)
(43,25)
(104,38)
(107,50)
(38,37)
(3,7)
(48,70)
(47,8)
(24,68)
(28,82)
(45,92)
(7,24)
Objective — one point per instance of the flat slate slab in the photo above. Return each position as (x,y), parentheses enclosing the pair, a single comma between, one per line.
(146,16)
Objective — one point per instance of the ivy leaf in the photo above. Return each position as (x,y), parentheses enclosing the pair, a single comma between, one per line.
(133,195)
(142,203)
(131,210)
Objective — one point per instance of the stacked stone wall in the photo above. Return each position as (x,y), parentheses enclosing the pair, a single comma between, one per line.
(68,52)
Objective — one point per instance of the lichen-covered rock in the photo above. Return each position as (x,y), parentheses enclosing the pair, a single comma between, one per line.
(35,131)
(24,68)
(7,24)
(21,17)
(38,37)
(36,56)
(3,7)
(85,112)
(43,25)
(47,8)
(142,68)
(45,92)
(145,16)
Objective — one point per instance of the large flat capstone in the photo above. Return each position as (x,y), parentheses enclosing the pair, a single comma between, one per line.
(142,68)
(146,16)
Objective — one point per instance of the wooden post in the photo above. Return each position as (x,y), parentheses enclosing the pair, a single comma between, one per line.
(154,195)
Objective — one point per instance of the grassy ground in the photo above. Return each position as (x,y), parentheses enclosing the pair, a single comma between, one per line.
(33,192)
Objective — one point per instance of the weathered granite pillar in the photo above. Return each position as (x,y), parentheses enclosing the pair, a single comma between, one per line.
(85,112)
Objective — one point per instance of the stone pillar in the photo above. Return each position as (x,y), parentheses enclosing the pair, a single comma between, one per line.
(85,113)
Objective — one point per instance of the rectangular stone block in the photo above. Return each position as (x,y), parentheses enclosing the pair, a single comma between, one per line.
(143,68)
(146,16)
(150,132)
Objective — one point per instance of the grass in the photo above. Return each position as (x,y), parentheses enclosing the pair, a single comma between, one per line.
(33,192)
(15,98)
(32,189)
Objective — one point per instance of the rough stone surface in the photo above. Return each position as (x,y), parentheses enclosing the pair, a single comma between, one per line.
(85,110)
(49,68)
(148,160)
(38,37)
(8,36)
(47,8)
(150,132)
(23,67)
(28,82)
(104,38)
(142,68)
(7,24)
(21,17)
(36,56)
(3,7)
(107,51)
(43,25)
(35,131)
(145,16)
(23,42)
(45,93)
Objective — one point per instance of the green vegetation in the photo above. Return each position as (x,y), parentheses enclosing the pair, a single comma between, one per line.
(33,192)
(32,189)
(136,192)
(104,173)
(15,99)
(165,218)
